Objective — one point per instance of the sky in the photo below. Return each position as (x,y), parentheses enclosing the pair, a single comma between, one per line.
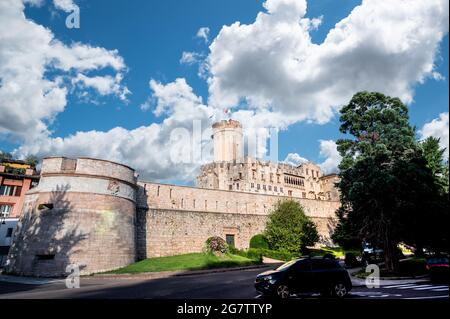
(138,81)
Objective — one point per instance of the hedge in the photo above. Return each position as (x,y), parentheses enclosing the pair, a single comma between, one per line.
(259,241)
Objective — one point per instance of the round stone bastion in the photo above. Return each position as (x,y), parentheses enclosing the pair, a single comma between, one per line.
(80,217)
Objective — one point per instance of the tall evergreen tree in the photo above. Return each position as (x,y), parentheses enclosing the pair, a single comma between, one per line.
(379,138)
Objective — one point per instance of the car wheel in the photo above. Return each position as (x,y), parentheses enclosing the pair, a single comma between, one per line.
(340,290)
(283,291)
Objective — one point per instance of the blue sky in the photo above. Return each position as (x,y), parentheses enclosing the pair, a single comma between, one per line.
(151,36)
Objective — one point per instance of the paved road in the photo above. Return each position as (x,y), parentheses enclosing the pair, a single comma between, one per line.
(223,285)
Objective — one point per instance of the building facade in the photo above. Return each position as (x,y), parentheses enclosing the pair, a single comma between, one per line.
(16,178)
(232,171)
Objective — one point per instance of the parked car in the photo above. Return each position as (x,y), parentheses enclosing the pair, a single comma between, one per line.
(307,275)
(437,267)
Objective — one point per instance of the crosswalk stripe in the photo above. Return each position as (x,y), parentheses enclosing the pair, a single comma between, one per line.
(415,286)
(422,287)
(441,289)
(397,286)
(432,287)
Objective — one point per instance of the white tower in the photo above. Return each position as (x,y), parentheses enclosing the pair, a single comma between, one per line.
(228,141)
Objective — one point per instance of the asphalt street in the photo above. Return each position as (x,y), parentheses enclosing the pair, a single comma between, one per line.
(221,285)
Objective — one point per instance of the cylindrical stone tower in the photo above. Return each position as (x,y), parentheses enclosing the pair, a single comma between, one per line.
(228,141)
(83,213)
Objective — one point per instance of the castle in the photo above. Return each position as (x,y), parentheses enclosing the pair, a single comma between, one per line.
(95,213)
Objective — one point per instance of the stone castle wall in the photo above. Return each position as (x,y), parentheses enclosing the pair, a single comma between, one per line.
(179,219)
(95,214)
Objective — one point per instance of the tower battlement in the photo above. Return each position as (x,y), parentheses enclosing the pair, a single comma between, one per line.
(228,141)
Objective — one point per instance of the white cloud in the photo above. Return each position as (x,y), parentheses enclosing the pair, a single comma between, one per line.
(269,71)
(104,85)
(190,57)
(203,33)
(273,64)
(155,151)
(295,159)
(65,5)
(437,128)
(30,98)
(328,150)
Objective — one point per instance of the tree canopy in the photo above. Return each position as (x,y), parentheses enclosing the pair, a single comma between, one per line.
(388,181)
(289,229)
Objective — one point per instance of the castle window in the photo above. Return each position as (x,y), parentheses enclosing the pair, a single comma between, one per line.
(307,171)
(193,203)
(9,233)
(270,187)
(281,189)
(240,175)
(45,206)
(252,185)
(182,203)
(254,174)
(262,176)
(237,186)
(275,188)
(290,193)
(206,204)
(170,193)
(304,195)
(45,257)
(230,187)
(271,177)
(157,192)
(230,240)
(278,178)
(258,186)
(264,187)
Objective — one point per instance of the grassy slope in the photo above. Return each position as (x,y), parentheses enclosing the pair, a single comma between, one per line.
(194,261)
(338,252)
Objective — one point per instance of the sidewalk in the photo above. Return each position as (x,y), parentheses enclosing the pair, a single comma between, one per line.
(28,280)
(359,282)
(147,275)
(176,273)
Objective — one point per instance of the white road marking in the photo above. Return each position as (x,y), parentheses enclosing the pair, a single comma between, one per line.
(397,286)
(441,289)
(416,287)
(428,297)
(432,287)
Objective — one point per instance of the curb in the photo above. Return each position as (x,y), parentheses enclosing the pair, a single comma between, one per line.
(176,273)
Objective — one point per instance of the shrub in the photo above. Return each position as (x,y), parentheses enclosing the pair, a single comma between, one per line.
(254,253)
(274,254)
(216,244)
(289,229)
(259,241)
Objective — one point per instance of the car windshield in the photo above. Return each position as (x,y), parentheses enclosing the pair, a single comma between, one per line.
(287,265)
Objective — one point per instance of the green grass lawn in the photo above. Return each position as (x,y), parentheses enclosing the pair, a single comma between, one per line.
(194,261)
(338,252)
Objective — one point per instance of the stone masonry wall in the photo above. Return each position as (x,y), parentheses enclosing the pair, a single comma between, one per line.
(179,219)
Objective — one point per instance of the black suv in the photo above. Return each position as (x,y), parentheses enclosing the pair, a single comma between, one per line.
(308,275)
